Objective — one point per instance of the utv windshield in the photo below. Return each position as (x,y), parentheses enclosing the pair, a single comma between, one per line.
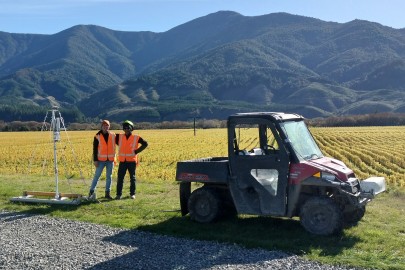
(301,140)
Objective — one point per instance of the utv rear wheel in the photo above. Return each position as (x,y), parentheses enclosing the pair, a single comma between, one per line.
(321,216)
(204,205)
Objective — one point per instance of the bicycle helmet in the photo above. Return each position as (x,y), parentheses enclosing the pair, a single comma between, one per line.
(128,124)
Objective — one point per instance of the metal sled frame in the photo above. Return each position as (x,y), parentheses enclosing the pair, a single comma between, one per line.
(48,197)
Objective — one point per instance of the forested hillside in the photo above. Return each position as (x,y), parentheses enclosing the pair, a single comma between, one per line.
(209,67)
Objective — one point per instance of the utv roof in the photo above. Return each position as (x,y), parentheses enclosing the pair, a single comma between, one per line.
(274,116)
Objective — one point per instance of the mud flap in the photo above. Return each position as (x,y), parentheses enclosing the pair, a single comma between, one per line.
(185,191)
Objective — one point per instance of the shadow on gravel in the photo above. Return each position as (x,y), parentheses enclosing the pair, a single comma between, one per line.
(41,209)
(266,233)
(11,216)
(154,251)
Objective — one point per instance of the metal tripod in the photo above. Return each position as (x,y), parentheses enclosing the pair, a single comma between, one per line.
(58,198)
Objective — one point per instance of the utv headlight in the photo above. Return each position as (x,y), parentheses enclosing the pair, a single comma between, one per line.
(328,176)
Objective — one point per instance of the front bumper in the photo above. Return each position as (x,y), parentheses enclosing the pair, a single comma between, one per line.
(363,191)
(371,187)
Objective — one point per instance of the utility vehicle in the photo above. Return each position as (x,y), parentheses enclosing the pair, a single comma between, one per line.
(275,168)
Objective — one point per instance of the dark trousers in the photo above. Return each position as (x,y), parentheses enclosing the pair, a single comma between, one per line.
(123,167)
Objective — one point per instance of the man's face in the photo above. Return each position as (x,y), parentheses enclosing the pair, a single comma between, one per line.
(105,128)
(127,130)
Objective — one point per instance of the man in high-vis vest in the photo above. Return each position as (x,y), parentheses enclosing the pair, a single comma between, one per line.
(103,156)
(129,149)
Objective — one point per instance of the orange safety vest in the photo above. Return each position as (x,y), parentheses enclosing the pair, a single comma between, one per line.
(106,150)
(127,148)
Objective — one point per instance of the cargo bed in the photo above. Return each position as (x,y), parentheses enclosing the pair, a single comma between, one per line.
(205,170)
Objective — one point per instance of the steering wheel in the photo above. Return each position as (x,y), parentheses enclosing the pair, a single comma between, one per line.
(243,153)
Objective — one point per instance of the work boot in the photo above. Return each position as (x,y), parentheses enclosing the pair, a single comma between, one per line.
(108,196)
(92,195)
(118,197)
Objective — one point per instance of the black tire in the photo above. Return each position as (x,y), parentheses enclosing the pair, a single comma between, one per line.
(204,205)
(321,216)
(353,217)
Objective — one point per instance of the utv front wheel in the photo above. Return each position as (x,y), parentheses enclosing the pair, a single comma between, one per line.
(321,216)
(204,205)
(353,217)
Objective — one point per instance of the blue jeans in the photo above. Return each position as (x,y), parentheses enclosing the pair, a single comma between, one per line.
(109,165)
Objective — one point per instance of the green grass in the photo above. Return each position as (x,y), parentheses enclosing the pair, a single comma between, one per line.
(378,241)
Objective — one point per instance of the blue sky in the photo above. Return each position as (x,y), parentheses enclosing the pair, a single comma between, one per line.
(52,16)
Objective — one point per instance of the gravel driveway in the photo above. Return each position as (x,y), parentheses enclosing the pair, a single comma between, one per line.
(41,242)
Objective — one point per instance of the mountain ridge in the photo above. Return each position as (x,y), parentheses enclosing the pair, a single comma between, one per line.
(221,62)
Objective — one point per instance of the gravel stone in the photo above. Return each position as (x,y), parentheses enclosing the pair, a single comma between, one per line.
(41,242)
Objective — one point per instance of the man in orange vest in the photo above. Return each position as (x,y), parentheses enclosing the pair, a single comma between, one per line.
(103,156)
(128,156)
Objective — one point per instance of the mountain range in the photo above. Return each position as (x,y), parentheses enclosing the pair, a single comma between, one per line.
(209,67)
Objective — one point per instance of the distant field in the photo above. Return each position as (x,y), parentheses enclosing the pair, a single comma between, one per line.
(378,151)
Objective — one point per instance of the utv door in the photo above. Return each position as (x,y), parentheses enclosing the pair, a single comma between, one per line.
(259,167)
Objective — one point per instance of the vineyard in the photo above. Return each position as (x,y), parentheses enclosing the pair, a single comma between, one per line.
(369,151)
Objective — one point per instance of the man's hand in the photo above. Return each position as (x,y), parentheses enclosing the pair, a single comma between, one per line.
(96,163)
